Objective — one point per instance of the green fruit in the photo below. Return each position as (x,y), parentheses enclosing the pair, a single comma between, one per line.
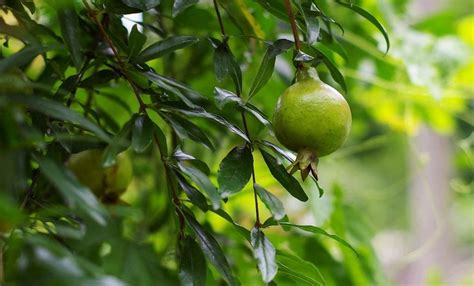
(311,118)
(106,183)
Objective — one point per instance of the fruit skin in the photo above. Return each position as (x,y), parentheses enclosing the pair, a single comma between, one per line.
(311,118)
(106,183)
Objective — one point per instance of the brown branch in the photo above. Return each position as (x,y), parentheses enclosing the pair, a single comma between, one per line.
(294,28)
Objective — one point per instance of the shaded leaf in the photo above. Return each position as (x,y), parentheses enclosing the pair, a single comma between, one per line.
(235,170)
(69,23)
(226,65)
(203,182)
(265,70)
(119,143)
(77,196)
(59,111)
(298,270)
(99,78)
(265,254)
(181,5)
(142,133)
(317,230)
(192,266)
(136,40)
(211,249)
(196,197)
(186,129)
(271,202)
(286,180)
(164,47)
(370,18)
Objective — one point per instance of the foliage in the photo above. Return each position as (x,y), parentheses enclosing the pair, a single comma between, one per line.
(186,93)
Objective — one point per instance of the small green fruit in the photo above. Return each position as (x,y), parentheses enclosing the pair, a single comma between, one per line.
(106,183)
(311,118)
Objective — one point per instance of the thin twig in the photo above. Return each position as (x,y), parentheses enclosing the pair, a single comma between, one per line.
(244,121)
(294,28)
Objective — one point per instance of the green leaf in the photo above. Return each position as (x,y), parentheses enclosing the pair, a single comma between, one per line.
(300,271)
(370,18)
(327,56)
(203,182)
(59,111)
(142,133)
(271,202)
(226,65)
(69,23)
(192,266)
(181,5)
(186,129)
(21,58)
(235,170)
(245,233)
(77,196)
(160,138)
(196,197)
(265,254)
(164,47)
(317,230)
(119,143)
(312,22)
(136,40)
(211,249)
(286,180)
(99,78)
(265,70)
(223,97)
(143,5)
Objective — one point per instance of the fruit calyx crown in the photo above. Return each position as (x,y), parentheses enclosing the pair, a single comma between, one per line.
(307,73)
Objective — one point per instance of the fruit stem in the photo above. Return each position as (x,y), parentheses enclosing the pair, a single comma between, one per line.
(244,122)
(294,29)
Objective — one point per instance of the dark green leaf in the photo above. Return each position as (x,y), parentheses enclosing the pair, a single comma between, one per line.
(235,170)
(271,202)
(181,5)
(223,97)
(99,78)
(136,40)
(143,5)
(226,65)
(268,63)
(59,111)
(186,129)
(160,138)
(265,254)
(142,133)
(70,31)
(192,266)
(164,47)
(259,115)
(285,179)
(203,182)
(300,271)
(321,231)
(119,143)
(196,197)
(288,155)
(77,196)
(370,18)
(211,249)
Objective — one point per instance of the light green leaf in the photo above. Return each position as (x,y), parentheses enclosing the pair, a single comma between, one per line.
(271,202)
(164,47)
(265,254)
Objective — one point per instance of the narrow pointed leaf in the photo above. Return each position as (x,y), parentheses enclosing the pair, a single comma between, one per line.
(317,230)
(59,111)
(192,266)
(136,40)
(286,180)
(271,202)
(300,271)
(119,143)
(203,182)
(265,254)
(142,133)
(164,47)
(225,65)
(186,129)
(77,196)
(196,197)
(211,249)
(181,5)
(235,170)
(69,23)
(364,13)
